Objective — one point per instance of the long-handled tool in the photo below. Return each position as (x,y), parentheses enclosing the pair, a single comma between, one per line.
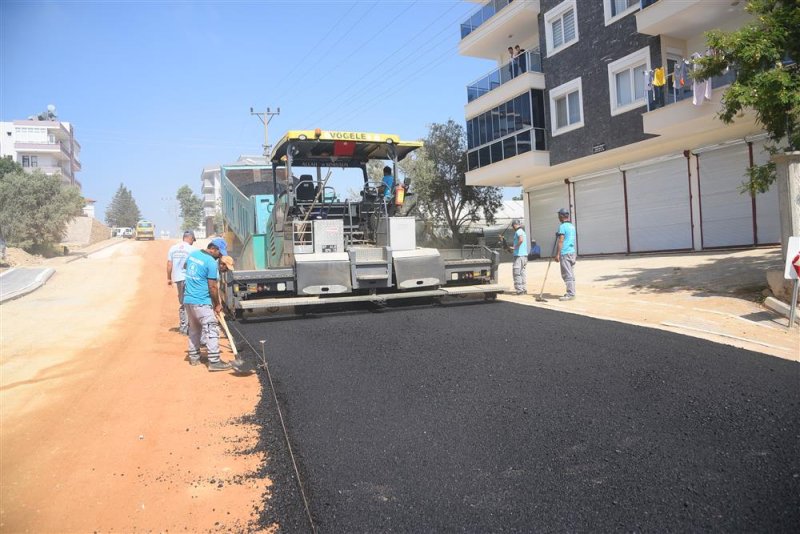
(236,361)
(540,298)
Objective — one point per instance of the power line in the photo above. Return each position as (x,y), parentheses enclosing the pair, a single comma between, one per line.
(328,49)
(441,58)
(374,69)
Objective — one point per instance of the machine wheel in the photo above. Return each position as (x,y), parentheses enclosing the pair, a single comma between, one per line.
(490,297)
(238,314)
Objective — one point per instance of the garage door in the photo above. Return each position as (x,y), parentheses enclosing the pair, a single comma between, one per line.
(659,214)
(544,206)
(727,214)
(600,214)
(767,217)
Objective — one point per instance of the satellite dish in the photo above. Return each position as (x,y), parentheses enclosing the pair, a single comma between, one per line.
(51,108)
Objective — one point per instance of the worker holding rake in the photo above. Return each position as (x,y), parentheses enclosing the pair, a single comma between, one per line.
(566,252)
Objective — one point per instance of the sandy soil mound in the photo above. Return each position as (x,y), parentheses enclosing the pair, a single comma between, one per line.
(16,257)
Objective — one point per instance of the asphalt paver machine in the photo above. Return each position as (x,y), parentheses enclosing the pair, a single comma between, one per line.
(297,244)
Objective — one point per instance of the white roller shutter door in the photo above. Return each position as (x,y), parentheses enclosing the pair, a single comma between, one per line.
(767,218)
(544,206)
(659,214)
(600,214)
(727,214)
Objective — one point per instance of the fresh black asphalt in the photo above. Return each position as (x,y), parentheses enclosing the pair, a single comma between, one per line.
(506,418)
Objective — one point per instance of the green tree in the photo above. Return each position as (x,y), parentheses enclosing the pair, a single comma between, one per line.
(35,208)
(191,208)
(764,55)
(123,211)
(7,166)
(438,176)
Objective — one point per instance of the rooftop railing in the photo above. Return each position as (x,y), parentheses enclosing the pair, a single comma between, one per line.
(480,16)
(672,93)
(529,61)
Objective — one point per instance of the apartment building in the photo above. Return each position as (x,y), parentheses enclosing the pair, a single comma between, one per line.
(582,120)
(47,145)
(211,190)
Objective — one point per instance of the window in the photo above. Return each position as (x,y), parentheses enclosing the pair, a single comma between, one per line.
(617,9)
(626,81)
(566,107)
(561,27)
(26,161)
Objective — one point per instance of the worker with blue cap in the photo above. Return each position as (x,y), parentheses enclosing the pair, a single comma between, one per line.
(203,303)
(221,245)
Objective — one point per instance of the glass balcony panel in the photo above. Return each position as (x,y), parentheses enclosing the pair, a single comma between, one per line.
(530,61)
(483,14)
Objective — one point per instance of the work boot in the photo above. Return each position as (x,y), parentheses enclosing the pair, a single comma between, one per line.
(567,297)
(219,366)
(193,361)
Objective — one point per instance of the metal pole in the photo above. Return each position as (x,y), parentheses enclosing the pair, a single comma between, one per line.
(265,117)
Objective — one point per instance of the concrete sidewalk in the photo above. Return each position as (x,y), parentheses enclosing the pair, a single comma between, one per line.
(15,283)
(715,296)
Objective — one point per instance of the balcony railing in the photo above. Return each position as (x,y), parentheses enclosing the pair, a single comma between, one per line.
(482,15)
(530,61)
(670,93)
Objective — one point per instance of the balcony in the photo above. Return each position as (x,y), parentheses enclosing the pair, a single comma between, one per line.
(507,170)
(57,149)
(673,113)
(529,62)
(684,19)
(498,25)
(483,14)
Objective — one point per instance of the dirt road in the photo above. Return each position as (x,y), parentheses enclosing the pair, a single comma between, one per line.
(105,426)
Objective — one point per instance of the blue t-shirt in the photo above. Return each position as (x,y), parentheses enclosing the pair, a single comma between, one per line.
(388,181)
(567,229)
(200,268)
(520,249)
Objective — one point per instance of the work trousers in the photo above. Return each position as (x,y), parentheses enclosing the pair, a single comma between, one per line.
(183,320)
(520,276)
(202,323)
(568,272)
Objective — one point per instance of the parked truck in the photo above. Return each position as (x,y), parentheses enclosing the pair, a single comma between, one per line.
(296,244)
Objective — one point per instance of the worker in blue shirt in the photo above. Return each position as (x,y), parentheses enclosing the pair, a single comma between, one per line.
(520,264)
(566,252)
(202,302)
(388,189)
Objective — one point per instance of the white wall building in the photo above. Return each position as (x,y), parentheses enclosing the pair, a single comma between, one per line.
(211,190)
(47,145)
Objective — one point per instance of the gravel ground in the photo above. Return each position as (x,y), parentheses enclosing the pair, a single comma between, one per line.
(500,417)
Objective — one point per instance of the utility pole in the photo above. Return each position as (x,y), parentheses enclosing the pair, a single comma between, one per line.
(265,117)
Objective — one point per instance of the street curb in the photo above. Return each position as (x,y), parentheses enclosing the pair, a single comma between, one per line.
(41,279)
(781,307)
(83,255)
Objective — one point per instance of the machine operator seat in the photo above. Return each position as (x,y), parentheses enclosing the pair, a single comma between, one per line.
(305,190)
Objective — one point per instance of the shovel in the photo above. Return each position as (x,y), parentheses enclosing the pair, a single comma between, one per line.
(540,298)
(237,362)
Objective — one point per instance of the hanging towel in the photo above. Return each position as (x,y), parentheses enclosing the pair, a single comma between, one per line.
(659,80)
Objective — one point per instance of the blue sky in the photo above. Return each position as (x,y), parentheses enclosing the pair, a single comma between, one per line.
(158,90)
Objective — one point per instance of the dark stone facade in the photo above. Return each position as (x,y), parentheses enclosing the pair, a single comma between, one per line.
(597,46)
